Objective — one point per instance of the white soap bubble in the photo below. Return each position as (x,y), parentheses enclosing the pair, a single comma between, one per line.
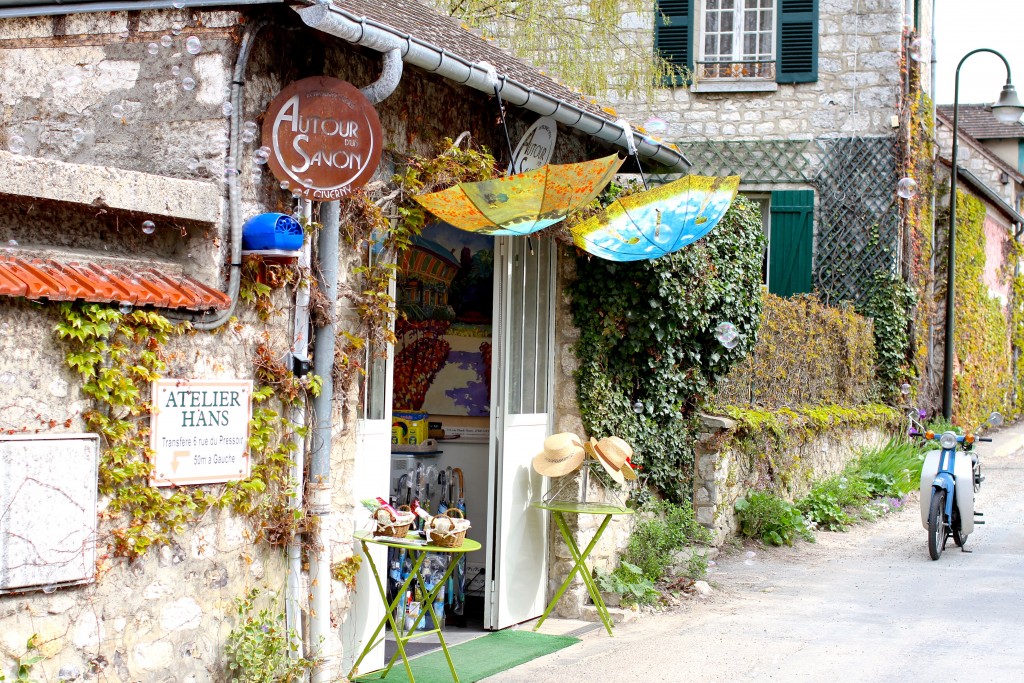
(193,45)
(656,125)
(73,81)
(193,165)
(125,307)
(123,34)
(296,193)
(914,49)
(249,127)
(178,4)
(732,343)
(906,188)
(175,70)
(16,144)
(726,334)
(12,243)
(904,388)
(227,108)
(750,553)
(166,40)
(188,83)
(152,48)
(285,184)
(117,111)
(148,227)
(176,29)
(77,134)
(259,157)
(49,589)
(248,136)
(638,407)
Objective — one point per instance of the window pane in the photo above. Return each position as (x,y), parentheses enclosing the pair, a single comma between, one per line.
(712,21)
(712,4)
(727,21)
(750,46)
(710,45)
(766,20)
(726,44)
(728,4)
(766,44)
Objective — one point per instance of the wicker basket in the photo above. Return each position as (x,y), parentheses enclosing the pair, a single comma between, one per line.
(399,525)
(448,538)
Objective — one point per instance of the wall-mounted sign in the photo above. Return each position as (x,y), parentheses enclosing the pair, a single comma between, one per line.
(536,146)
(200,431)
(324,136)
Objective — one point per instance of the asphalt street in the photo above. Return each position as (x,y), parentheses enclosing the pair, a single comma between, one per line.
(865,605)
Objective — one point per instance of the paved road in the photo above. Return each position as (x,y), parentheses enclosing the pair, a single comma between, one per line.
(867,605)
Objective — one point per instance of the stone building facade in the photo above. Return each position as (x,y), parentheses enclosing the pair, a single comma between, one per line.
(123,135)
(812,121)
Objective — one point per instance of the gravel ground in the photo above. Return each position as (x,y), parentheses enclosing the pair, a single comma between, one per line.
(866,605)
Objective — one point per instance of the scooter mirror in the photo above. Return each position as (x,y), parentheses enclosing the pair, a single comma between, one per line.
(995,419)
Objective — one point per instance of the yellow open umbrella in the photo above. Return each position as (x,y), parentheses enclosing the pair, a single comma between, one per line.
(523,203)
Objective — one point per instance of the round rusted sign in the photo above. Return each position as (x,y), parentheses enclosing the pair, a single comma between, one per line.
(324,136)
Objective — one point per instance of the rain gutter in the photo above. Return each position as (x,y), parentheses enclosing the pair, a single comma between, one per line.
(369,33)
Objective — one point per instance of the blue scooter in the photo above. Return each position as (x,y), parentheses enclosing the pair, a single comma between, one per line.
(950,476)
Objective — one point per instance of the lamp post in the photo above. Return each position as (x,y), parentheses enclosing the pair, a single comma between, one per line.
(1007,109)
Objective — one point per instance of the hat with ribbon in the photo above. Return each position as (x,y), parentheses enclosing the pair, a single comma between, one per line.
(613,452)
(562,454)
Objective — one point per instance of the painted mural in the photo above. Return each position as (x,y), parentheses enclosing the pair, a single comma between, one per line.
(443,353)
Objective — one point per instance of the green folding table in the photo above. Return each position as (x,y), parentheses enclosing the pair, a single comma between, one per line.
(418,552)
(558,510)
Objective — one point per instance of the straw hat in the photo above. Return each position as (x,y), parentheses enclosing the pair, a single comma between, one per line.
(612,452)
(562,454)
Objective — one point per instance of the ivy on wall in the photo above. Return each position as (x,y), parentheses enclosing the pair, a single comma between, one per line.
(647,349)
(889,303)
(983,372)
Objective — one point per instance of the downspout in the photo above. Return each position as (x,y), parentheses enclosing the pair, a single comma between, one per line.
(201,321)
(322,646)
(934,202)
(300,363)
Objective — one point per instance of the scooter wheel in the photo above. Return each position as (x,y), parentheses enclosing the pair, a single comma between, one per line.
(959,537)
(936,526)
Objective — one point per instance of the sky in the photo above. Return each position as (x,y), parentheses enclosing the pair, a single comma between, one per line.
(964,25)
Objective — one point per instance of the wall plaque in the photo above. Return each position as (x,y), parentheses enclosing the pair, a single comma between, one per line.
(536,146)
(200,431)
(324,136)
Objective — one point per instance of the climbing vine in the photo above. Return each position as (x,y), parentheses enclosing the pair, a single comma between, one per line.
(983,373)
(889,303)
(647,350)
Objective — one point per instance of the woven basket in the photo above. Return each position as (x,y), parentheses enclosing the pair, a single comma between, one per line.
(449,538)
(399,525)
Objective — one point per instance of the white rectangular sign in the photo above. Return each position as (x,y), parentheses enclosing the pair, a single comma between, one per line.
(200,431)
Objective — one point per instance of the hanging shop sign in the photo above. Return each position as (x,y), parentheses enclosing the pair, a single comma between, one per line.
(324,136)
(200,431)
(536,147)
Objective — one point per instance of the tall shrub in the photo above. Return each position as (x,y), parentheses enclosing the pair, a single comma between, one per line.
(647,349)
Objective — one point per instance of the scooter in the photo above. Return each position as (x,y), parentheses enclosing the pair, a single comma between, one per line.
(950,476)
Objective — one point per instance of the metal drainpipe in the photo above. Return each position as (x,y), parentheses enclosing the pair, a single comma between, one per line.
(318,488)
(300,351)
(935,163)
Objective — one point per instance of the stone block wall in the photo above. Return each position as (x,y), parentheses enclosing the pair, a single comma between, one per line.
(723,474)
(860,47)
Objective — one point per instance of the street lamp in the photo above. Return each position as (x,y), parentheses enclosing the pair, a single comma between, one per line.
(1007,109)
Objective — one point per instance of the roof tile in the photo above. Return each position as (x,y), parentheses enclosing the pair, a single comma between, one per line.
(49,279)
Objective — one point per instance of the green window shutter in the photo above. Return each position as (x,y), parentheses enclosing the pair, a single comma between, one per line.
(673,35)
(791,241)
(796,46)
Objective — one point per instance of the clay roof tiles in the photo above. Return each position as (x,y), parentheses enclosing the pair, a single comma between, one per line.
(39,278)
(977,121)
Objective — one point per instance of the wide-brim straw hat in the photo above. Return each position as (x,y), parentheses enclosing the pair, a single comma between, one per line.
(562,454)
(612,452)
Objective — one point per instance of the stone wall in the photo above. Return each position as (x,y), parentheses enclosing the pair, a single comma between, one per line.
(724,474)
(856,92)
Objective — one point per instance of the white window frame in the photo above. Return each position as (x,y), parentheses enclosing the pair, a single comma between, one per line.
(733,75)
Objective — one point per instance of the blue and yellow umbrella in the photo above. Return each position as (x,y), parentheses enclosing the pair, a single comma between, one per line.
(658,221)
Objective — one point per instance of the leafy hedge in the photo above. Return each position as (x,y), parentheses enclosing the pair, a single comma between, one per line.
(807,354)
(648,341)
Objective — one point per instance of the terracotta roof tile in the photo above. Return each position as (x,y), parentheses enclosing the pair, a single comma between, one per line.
(48,279)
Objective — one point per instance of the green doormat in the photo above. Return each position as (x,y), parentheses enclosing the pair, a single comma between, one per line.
(477,659)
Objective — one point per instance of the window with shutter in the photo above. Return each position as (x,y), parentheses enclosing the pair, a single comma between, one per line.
(673,35)
(791,242)
(798,41)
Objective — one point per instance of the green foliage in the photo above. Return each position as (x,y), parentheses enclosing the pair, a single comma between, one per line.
(771,519)
(660,533)
(346,570)
(889,304)
(26,662)
(983,376)
(806,354)
(648,336)
(898,461)
(824,510)
(259,648)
